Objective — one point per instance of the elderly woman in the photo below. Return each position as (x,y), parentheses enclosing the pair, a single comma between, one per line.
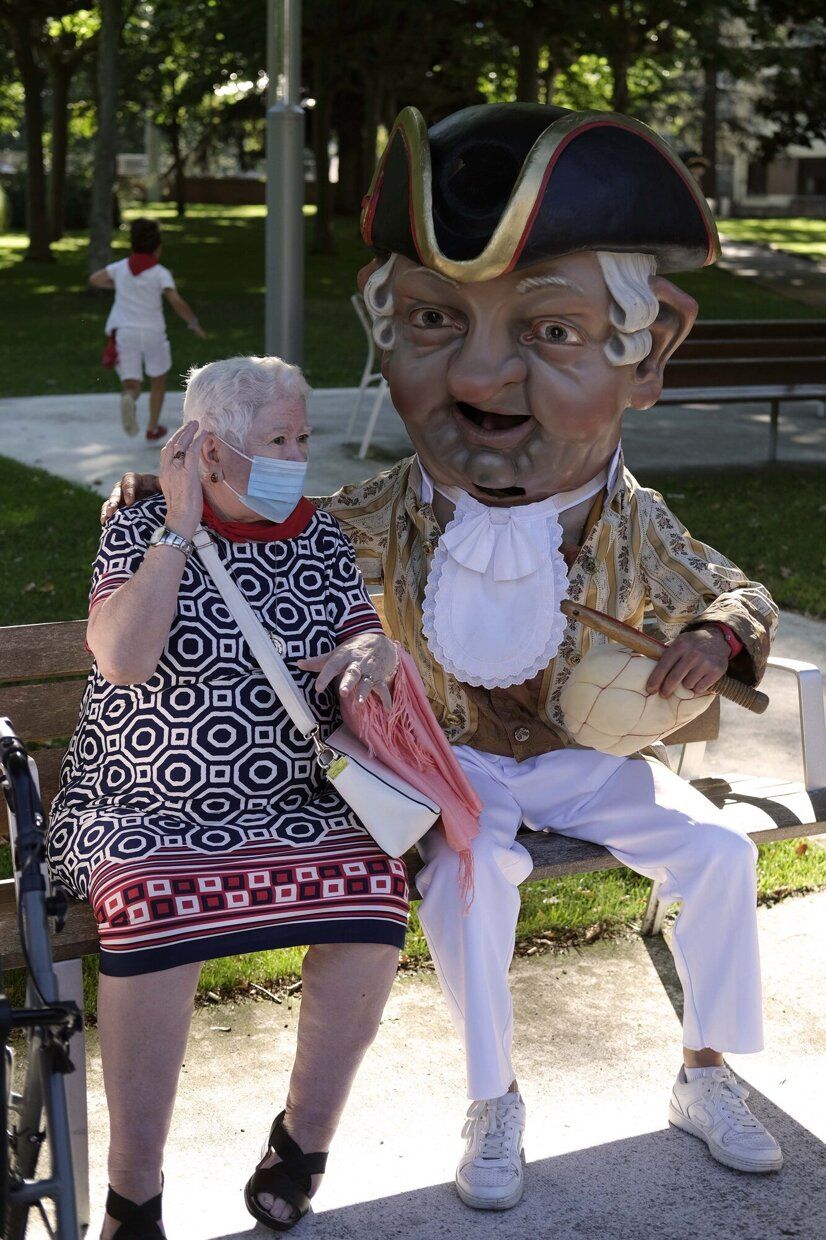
(191,814)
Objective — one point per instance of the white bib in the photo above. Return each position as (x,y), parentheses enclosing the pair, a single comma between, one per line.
(492,612)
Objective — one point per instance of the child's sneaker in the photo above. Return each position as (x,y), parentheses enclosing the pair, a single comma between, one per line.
(127,413)
(713,1108)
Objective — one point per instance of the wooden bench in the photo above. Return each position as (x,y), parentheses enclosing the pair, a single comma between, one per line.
(730,361)
(43,670)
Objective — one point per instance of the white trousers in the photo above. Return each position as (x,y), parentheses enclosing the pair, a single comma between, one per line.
(652,821)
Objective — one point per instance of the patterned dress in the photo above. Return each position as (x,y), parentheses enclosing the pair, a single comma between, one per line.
(191,814)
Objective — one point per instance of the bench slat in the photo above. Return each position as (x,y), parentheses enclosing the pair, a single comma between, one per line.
(31,651)
(42,712)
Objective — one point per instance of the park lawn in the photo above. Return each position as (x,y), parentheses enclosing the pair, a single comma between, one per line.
(798,235)
(755,516)
(51,328)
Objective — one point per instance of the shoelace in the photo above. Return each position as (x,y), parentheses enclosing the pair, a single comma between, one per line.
(498,1121)
(733,1101)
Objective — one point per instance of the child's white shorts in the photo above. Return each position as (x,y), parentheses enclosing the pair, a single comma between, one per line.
(141,349)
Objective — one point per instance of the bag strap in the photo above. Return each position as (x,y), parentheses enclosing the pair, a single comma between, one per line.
(256,637)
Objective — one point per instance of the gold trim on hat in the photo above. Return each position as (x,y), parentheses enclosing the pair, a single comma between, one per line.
(500,252)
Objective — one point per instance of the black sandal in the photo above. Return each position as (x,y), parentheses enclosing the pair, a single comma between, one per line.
(138,1222)
(290,1179)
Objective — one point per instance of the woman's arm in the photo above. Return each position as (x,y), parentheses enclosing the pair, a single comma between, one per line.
(128,630)
(101,279)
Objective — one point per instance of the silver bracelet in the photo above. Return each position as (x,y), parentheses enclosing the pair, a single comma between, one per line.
(193,323)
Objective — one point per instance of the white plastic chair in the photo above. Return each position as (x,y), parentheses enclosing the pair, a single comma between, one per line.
(368,378)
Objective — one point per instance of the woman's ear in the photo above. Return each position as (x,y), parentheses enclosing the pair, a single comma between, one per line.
(677,313)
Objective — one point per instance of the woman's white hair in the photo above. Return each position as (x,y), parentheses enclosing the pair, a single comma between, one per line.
(633,305)
(225,396)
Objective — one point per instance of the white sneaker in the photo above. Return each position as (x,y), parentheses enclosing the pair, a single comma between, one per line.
(127,413)
(713,1107)
(491,1174)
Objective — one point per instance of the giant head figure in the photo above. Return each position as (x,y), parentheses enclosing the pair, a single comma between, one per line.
(518,291)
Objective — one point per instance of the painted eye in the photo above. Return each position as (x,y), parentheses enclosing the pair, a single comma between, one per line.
(429,318)
(556,333)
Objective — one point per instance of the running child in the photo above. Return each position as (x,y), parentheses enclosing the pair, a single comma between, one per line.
(136,328)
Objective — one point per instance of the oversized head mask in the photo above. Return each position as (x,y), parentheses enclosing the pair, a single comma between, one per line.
(517,290)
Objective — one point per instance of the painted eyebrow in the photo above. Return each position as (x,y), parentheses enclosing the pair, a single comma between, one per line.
(437,275)
(533,282)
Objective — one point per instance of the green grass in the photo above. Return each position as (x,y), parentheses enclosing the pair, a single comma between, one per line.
(51,327)
(797,235)
(767,520)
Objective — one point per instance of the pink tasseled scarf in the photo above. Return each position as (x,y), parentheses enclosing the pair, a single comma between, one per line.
(411,743)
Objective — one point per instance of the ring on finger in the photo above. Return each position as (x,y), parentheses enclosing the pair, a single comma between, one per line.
(179,455)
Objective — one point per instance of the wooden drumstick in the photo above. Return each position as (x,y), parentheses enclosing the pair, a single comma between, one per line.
(727,687)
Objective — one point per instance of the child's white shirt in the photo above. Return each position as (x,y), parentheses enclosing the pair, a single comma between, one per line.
(138,299)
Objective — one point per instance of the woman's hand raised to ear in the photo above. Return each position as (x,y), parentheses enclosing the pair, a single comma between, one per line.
(366,662)
(180,480)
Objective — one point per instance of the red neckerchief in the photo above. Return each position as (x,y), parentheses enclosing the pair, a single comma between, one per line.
(142,262)
(262,531)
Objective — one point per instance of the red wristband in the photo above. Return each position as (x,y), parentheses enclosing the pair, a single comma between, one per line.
(734,643)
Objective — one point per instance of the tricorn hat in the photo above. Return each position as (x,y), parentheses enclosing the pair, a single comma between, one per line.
(497,187)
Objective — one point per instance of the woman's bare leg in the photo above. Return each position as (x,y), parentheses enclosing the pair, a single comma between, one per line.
(143,1024)
(345,987)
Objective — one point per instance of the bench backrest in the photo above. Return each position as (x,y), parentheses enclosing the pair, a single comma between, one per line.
(744,371)
(43,669)
(758,329)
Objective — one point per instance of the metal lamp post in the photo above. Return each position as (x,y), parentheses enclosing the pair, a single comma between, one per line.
(284,258)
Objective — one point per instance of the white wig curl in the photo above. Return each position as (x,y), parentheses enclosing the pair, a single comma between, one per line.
(225,396)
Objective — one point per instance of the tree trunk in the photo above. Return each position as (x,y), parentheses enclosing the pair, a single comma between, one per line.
(102,209)
(60,76)
(178,169)
(619,71)
(527,80)
(23,36)
(372,98)
(710,130)
(323,240)
(351,174)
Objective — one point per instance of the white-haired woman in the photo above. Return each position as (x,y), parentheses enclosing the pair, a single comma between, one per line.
(190,814)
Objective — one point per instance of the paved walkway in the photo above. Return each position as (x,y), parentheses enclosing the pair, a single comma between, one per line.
(596,1051)
(792,275)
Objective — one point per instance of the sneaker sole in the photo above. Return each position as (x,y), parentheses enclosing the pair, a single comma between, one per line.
(497,1203)
(127,414)
(679,1120)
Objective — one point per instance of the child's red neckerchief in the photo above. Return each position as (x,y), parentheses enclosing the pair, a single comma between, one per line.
(142,262)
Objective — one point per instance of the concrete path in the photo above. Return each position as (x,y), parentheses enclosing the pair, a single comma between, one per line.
(597,1048)
(792,275)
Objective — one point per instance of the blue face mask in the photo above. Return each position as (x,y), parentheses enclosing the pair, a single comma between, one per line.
(274,487)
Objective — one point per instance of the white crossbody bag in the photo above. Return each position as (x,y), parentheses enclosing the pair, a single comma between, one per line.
(395,813)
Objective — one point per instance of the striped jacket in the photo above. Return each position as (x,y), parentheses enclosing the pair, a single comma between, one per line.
(636,557)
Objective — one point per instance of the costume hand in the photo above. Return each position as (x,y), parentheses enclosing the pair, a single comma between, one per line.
(696,660)
(368,661)
(180,480)
(129,490)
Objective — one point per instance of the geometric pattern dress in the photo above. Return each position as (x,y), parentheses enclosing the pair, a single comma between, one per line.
(191,814)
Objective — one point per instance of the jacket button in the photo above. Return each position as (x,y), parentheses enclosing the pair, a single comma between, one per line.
(575,658)
(521,735)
